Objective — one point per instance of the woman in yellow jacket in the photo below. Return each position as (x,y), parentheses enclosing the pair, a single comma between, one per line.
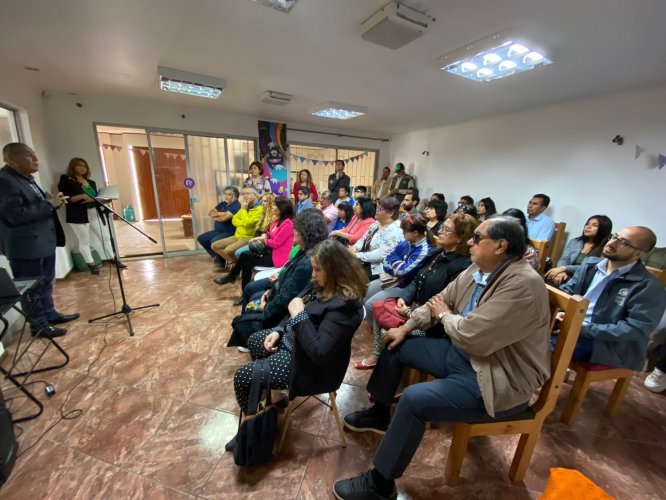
(245,221)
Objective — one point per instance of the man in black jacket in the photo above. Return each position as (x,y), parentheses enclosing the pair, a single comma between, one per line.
(29,233)
(338,179)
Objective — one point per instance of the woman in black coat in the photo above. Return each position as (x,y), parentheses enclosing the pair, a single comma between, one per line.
(440,268)
(82,213)
(314,340)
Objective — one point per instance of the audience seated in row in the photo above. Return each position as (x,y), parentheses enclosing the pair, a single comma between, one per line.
(364,217)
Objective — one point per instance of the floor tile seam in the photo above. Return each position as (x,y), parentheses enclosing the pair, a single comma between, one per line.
(210,474)
(120,467)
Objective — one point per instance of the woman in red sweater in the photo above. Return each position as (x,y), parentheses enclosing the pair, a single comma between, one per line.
(364,216)
(305,180)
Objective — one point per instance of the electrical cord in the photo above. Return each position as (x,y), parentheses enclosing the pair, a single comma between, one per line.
(77,412)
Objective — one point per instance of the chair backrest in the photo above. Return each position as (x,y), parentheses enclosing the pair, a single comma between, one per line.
(659,273)
(574,308)
(542,247)
(557,242)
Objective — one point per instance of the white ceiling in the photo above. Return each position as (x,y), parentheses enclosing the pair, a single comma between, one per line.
(316,53)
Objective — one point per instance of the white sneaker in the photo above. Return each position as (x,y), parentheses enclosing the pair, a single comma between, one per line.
(243,349)
(656,381)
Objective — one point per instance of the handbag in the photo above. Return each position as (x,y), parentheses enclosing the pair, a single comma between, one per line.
(385,314)
(259,248)
(257,430)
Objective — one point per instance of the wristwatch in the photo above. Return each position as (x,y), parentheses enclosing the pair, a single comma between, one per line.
(442,314)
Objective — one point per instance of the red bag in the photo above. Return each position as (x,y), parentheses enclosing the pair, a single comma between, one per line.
(385,314)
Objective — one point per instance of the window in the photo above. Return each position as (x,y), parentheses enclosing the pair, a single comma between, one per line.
(8,127)
(360,164)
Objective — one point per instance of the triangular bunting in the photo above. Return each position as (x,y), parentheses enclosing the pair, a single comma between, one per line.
(661,160)
(640,150)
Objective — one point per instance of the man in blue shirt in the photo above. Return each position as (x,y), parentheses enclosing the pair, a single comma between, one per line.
(626,301)
(539,225)
(222,215)
(303,199)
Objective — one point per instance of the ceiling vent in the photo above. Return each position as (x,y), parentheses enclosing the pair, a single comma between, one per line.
(395,25)
(277,98)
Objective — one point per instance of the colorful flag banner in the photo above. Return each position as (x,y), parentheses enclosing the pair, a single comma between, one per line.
(640,150)
(661,160)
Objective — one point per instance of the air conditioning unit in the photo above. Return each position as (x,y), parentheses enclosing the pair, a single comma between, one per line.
(277,98)
(395,25)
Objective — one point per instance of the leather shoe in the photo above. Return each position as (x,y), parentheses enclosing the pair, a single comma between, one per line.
(118,264)
(48,332)
(64,318)
(225,280)
(238,302)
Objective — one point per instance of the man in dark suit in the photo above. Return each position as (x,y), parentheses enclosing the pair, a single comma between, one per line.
(29,233)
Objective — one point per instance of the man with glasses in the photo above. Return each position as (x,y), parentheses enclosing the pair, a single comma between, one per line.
(245,221)
(494,356)
(626,301)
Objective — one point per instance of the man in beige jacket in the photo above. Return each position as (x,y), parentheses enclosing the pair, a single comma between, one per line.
(495,355)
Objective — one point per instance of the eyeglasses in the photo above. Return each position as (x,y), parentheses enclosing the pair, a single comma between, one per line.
(623,243)
(248,194)
(447,230)
(476,238)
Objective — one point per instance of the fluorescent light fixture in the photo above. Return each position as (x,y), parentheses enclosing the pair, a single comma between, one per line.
(184,82)
(281,5)
(493,57)
(338,110)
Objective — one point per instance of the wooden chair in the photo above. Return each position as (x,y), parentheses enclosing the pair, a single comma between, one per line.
(542,246)
(528,424)
(586,373)
(557,242)
(660,274)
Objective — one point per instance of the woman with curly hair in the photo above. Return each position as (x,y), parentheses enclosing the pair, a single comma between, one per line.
(314,338)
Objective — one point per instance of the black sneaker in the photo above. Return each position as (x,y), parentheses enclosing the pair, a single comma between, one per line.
(225,280)
(361,487)
(366,421)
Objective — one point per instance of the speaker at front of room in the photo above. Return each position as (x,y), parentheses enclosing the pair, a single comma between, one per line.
(8,446)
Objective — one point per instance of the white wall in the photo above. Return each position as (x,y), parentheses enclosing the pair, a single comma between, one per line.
(71,129)
(564,151)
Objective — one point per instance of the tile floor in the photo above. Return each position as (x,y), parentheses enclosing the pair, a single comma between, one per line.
(155,410)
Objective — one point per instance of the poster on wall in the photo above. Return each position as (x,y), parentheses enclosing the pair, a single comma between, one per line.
(272,148)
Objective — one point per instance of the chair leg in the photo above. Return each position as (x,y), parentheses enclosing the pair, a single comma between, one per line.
(285,425)
(521,460)
(576,397)
(617,395)
(456,453)
(336,414)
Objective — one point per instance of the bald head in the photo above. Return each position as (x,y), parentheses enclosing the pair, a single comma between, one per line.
(644,237)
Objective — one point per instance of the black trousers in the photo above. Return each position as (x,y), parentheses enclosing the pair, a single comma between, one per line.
(246,262)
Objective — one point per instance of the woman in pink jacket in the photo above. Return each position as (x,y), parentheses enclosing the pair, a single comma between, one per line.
(364,216)
(271,249)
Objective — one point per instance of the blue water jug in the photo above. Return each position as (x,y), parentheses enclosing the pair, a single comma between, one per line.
(128,213)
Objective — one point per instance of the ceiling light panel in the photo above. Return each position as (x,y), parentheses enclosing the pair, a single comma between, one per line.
(338,110)
(184,82)
(493,57)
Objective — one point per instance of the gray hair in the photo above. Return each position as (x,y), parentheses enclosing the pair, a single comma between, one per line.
(13,148)
(327,195)
(508,228)
(253,189)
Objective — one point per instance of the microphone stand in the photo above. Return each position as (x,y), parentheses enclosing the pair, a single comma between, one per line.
(125,309)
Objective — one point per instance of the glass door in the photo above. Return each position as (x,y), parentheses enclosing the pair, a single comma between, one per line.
(170,205)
